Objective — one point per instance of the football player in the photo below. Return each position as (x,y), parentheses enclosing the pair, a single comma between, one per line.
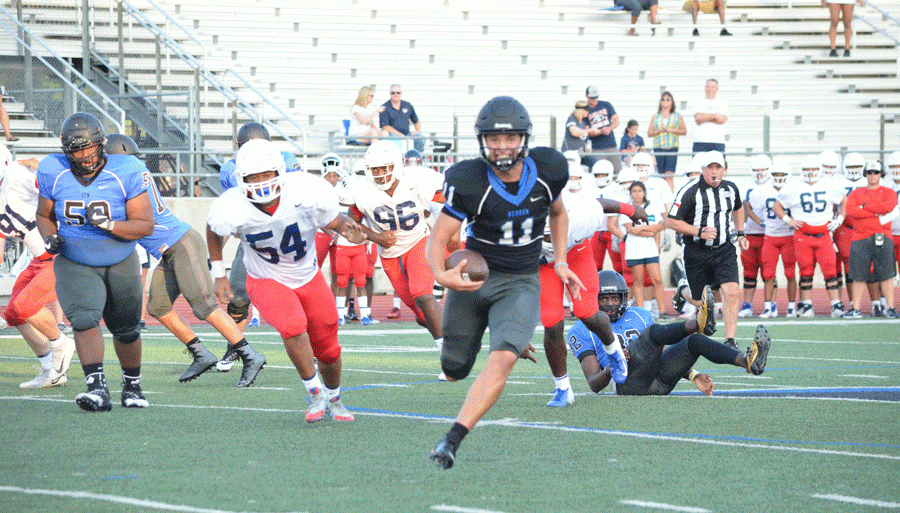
(394,202)
(607,188)
(778,241)
(182,257)
(812,203)
(653,368)
(506,197)
(751,259)
(851,179)
(92,209)
(276,216)
(35,285)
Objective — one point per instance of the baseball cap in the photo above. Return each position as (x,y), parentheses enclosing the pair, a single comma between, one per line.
(714,157)
(593,91)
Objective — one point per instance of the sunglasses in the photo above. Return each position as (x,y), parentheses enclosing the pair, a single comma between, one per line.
(873,172)
(396,92)
(593,97)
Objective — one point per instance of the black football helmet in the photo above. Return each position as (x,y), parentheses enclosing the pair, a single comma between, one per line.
(612,282)
(121,144)
(412,158)
(250,131)
(503,115)
(82,131)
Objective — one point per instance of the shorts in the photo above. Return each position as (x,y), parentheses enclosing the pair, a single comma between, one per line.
(351,262)
(182,270)
(600,245)
(708,146)
(706,7)
(843,237)
(642,261)
(665,164)
(507,303)
(772,248)
(866,256)
(35,287)
(709,266)
(410,276)
(581,261)
(371,259)
(810,249)
(324,247)
(112,293)
(751,259)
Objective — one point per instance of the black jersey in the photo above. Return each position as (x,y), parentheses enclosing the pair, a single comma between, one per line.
(506,220)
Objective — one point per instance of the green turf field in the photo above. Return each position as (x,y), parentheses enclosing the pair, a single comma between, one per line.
(817,432)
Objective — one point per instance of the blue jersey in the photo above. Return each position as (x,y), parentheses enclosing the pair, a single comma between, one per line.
(167,229)
(584,342)
(120,180)
(229,180)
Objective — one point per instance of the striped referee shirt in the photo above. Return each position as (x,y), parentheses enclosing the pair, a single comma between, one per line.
(702,205)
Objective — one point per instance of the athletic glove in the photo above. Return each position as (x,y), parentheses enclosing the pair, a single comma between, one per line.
(96,216)
(53,243)
(835,223)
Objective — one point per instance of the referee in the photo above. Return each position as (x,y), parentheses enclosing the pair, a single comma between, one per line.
(709,213)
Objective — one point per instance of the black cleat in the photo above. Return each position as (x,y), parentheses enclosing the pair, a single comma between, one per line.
(203,361)
(759,351)
(445,453)
(95,399)
(706,318)
(132,396)
(253,363)
(351,317)
(678,299)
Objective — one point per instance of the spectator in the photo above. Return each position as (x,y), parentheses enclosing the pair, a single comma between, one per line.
(602,120)
(641,249)
(710,114)
(665,127)
(709,213)
(840,10)
(872,249)
(396,116)
(707,7)
(4,120)
(636,6)
(631,141)
(362,117)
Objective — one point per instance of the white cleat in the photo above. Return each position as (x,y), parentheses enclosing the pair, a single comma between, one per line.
(63,351)
(45,379)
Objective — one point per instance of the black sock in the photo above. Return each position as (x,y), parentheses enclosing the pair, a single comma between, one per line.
(351,305)
(240,343)
(195,340)
(730,341)
(457,433)
(131,376)
(701,345)
(92,368)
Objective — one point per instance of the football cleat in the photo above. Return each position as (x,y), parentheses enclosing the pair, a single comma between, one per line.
(891,313)
(442,377)
(394,313)
(351,316)
(253,363)
(227,361)
(706,319)
(837,309)
(759,351)
(316,409)
(45,379)
(336,410)
(203,361)
(746,310)
(791,313)
(618,366)
(877,311)
(678,299)
(63,350)
(769,312)
(96,398)
(143,324)
(805,310)
(132,396)
(562,398)
(444,454)
(853,313)
(64,328)
(367,320)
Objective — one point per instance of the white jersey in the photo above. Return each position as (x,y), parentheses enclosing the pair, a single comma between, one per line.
(766,195)
(659,193)
(642,247)
(403,212)
(18,204)
(811,204)
(895,224)
(586,217)
(845,186)
(612,191)
(280,246)
(345,198)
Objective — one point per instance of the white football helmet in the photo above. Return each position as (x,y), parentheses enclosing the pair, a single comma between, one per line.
(259,156)
(576,173)
(603,172)
(384,154)
(627,175)
(359,167)
(811,168)
(892,166)
(853,166)
(6,160)
(830,162)
(331,163)
(760,166)
(695,167)
(781,173)
(572,156)
(642,163)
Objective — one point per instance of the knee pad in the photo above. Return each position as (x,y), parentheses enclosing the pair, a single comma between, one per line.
(129,337)
(82,320)
(456,369)
(749,283)
(329,355)
(831,284)
(238,313)
(806,282)
(840,280)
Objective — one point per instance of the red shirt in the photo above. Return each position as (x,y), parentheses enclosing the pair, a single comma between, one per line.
(864,205)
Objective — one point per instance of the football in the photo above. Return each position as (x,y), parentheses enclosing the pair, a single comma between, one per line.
(476,268)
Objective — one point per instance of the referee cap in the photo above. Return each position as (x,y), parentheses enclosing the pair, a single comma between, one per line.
(714,157)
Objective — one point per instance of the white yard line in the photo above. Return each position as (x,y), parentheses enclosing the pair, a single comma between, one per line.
(661,506)
(856,500)
(460,509)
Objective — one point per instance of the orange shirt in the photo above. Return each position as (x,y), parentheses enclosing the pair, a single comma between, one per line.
(865,205)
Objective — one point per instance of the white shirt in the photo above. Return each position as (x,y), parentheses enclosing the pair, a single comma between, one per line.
(659,193)
(710,132)
(18,205)
(586,217)
(280,246)
(403,212)
(637,247)
(356,127)
(810,204)
(765,196)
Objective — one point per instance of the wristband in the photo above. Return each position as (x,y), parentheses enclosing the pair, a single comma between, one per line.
(740,233)
(557,264)
(693,375)
(786,218)
(218,268)
(626,210)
